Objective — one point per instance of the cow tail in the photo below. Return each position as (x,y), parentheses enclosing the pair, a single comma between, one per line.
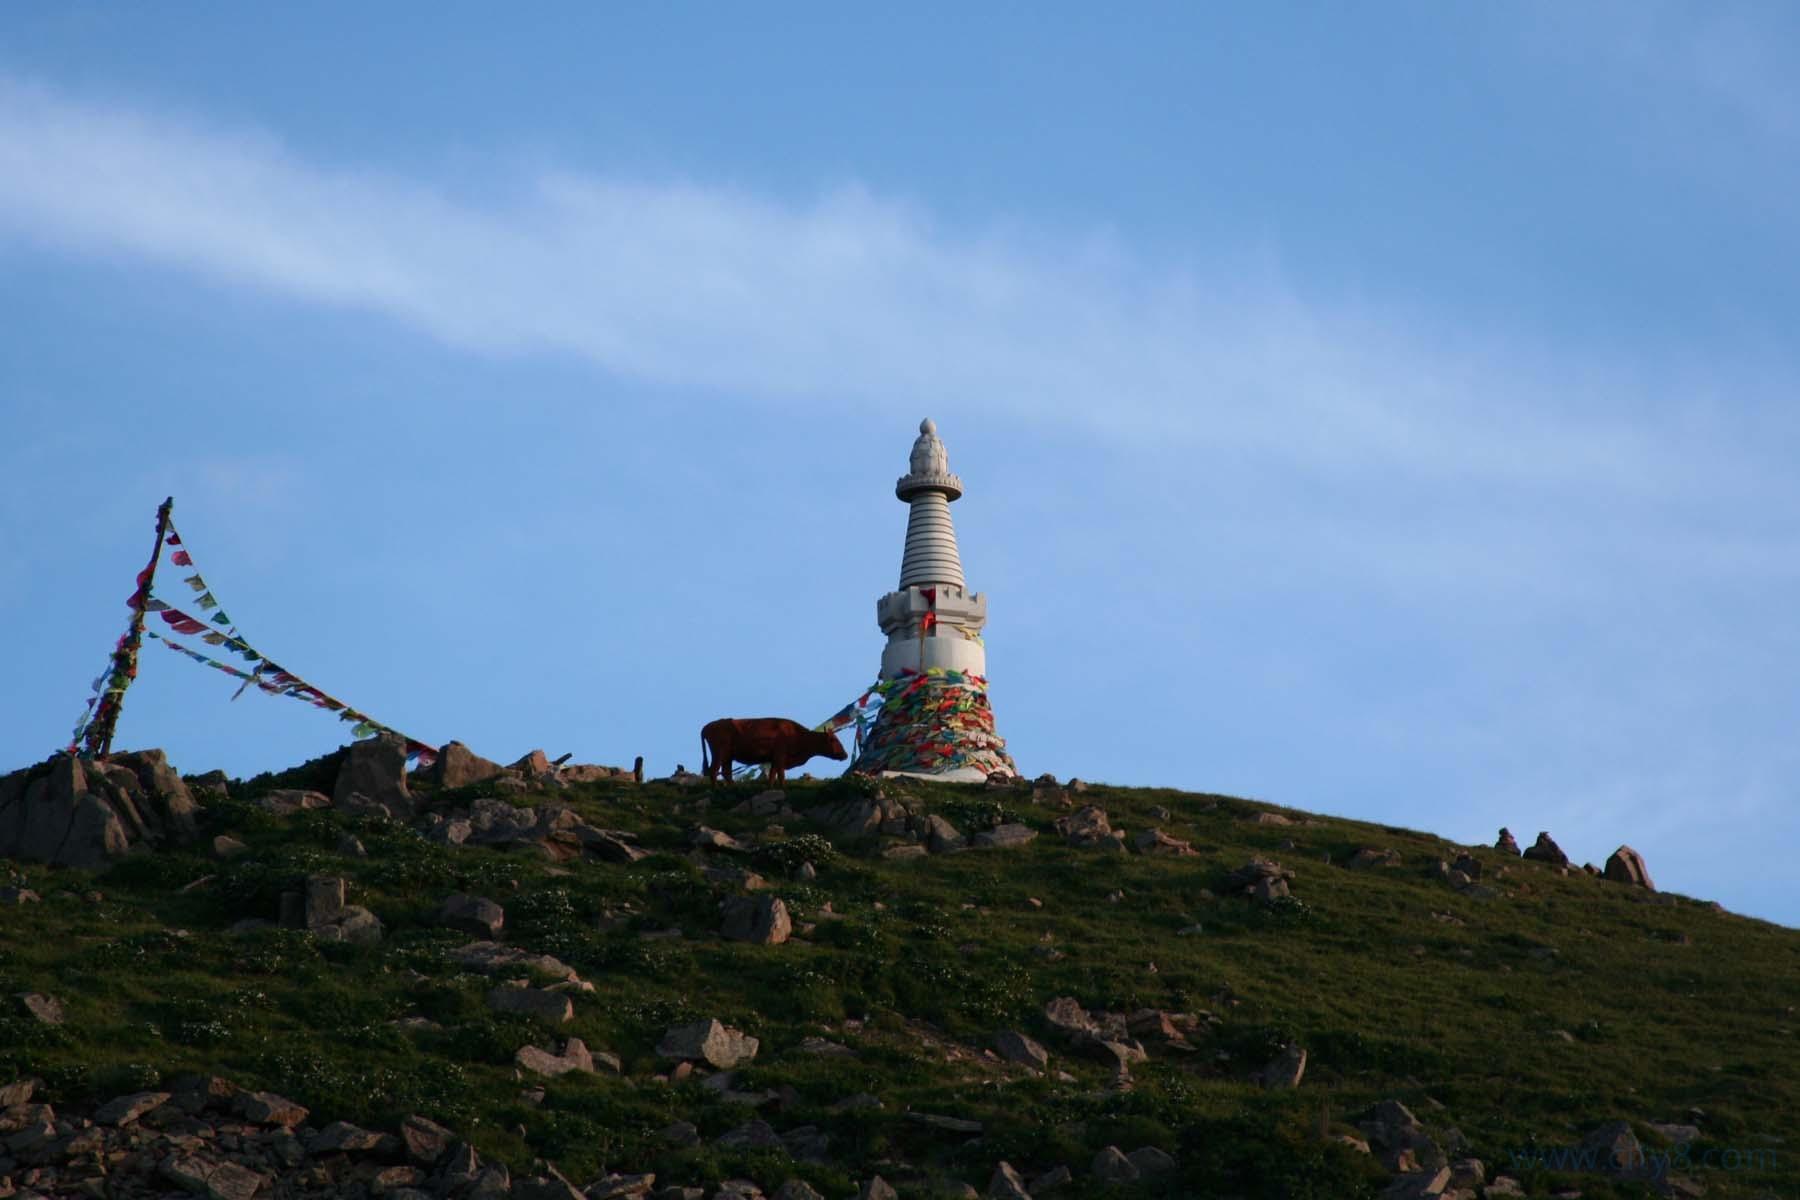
(705,767)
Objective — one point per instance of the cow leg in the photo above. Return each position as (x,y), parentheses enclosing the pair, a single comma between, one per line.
(728,761)
(777,771)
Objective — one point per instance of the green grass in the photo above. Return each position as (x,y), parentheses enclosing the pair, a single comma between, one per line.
(1671,1005)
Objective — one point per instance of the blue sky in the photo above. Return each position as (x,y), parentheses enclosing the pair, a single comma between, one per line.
(1385,412)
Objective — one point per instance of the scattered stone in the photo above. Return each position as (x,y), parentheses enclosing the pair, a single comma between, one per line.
(1627,866)
(616,1186)
(682,1133)
(552,1008)
(1155,841)
(126,1109)
(1087,828)
(752,1135)
(1371,856)
(1050,1180)
(709,1042)
(942,836)
(1016,1047)
(1614,1148)
(1269,818)
(877,1188)
(575,1057)
(947,1124)
(287,801)
(706,838)
(342,1137)
(47,1010)
(1006,1183)
(1111,1166)
(475,915)
(762,920)
(350,846)
(227,847)
(1067,1015)
(267,1108)
(1261,880)
(1004,837)
(18,895)
(1151,1161)
(1547,851)
(425,1140)
(798,1189)
(493,958)
(1285,1071)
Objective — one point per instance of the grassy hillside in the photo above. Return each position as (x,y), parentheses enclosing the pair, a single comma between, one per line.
(1511,1024)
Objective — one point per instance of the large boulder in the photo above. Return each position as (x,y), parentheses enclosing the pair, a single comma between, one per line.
(86,813)
(710,1042)
(458,766)
(763,920)
(375,768)
(1627,866)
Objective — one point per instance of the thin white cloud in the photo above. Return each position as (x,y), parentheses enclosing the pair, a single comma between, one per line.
(850,297)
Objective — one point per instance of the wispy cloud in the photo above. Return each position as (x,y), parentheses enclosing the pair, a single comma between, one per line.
(851,296)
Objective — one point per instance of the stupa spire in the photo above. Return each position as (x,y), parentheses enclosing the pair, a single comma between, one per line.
(931,554)
(934,719)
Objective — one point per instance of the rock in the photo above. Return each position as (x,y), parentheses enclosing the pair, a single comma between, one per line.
(1395,1136)
(47,1010)
(947,1124)
(1006,1183)
(682,1133)
(859,816)
(1066,1014)
(552,1008)
(342,1137)
(453,832)
(616,1186)
(475,915)
(1111,1166)
(267,1108)
(796,1189)
(1371,856)
(942,836)
(1417,1185)
(287,801)
(1627,866)
(709,1042)
(553,1187)
(17,1092)
(1286,1071)
(876,1188)
(763,920)
(1468,865)
(1155,841)
(1151,1161)
(226,847)
(1505,843)
(351,846)
(123,1110)
(458,766)
(752,1135)
(49,814)
(1614,1148)
(1004,837)
(425,1140)
(1050,1180)
(1260,879)
(1016,1047)
(575,1057)
(324,900)
(359,926)
(1268,818)
(492,958)
(376,768)
(1547,851)
(705,837)
(19,895)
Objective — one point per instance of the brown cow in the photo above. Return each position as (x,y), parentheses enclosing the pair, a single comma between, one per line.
(776,741)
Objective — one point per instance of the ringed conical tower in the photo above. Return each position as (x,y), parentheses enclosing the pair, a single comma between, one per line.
(935,719)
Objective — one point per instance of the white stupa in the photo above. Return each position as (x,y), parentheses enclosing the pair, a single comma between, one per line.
(935,719)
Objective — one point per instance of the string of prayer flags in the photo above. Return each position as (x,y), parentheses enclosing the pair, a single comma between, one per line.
(218,630)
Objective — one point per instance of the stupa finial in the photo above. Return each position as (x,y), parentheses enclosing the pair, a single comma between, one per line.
(929,467)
